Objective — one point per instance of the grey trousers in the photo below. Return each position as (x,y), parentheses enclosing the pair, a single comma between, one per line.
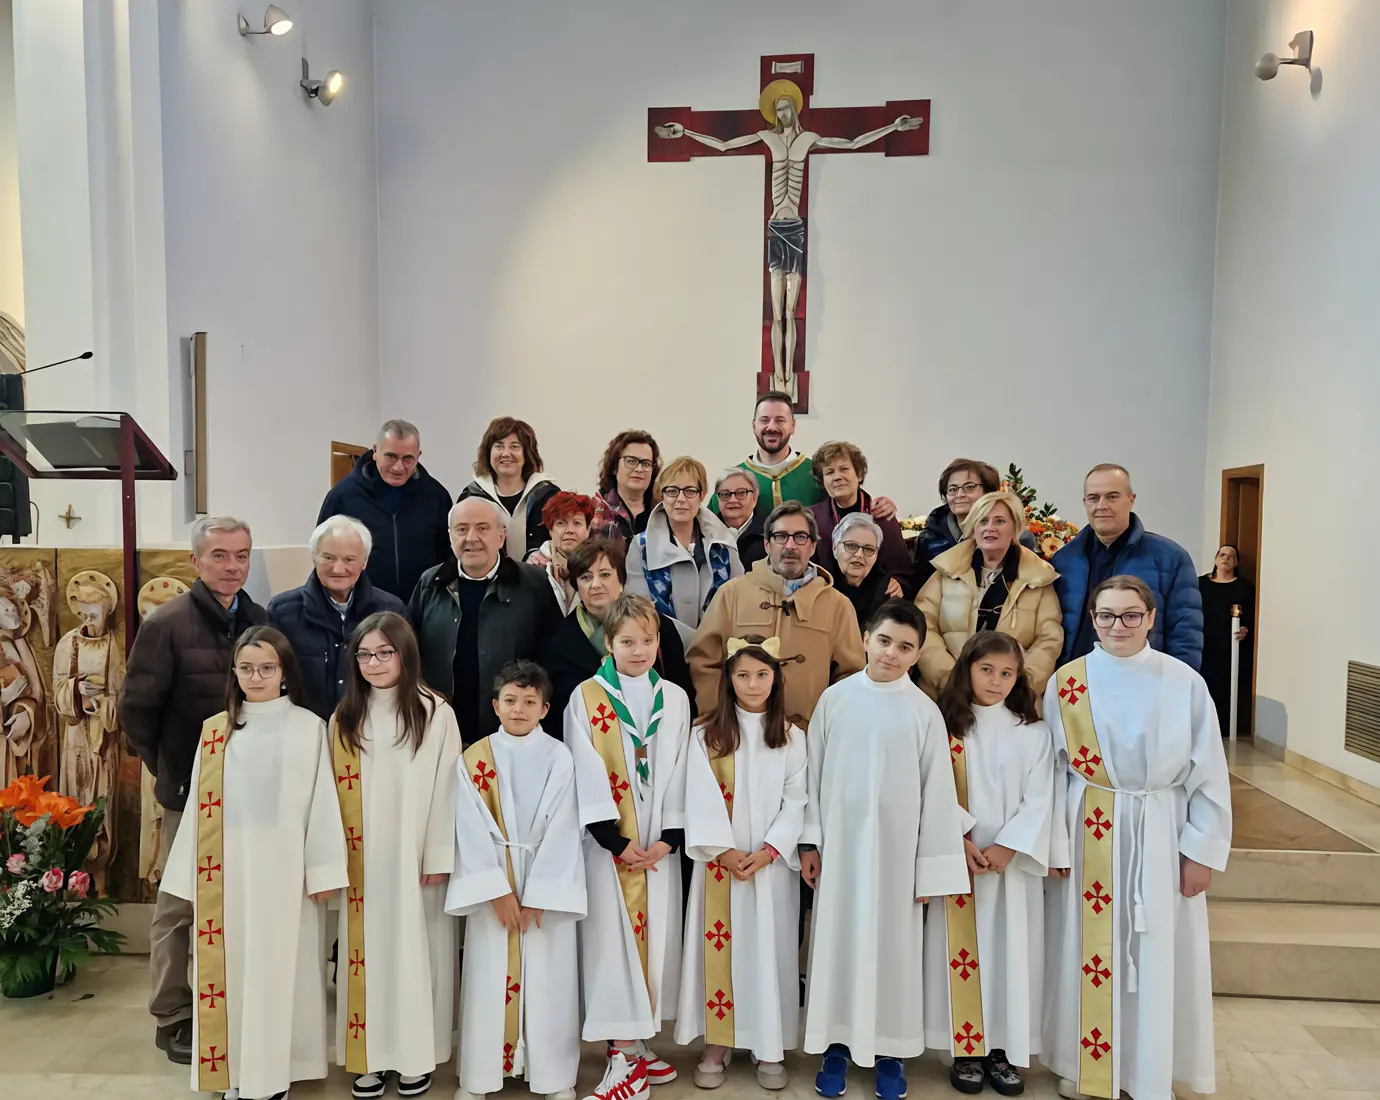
(170,948)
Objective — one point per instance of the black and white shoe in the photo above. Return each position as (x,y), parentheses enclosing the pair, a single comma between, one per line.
(967,1075)
(413,1086)
(1002,1074)
(369,1085)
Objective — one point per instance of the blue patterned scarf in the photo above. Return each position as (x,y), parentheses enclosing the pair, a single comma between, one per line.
(659,580)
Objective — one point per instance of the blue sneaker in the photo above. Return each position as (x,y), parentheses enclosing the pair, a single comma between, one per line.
(891,1079)
(832,1078)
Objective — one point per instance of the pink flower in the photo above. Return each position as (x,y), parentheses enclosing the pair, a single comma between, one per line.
(79,882)
(52,880)
(15,864)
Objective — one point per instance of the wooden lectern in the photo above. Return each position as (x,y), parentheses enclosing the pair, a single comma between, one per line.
(90,446)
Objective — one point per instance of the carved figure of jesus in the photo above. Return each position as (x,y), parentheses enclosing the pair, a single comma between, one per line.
(789,145)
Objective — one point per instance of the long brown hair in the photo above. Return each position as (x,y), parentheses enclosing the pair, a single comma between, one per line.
(416,702)
(613,455)
(721,736)
(500,428)
(287,661)
(956,698)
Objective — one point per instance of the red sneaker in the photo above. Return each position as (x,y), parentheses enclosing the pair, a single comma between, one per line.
(623,1080)
(659,1071)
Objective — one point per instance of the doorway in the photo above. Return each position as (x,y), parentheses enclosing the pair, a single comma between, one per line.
(343,459)
(1243,497)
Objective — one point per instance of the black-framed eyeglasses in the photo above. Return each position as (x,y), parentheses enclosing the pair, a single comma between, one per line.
(968,488)
(378,656)
(1129,619)
(800,538)
(859,548)
(689,492)
(632,462)
(735,494)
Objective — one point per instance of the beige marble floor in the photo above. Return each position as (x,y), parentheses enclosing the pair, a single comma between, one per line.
(93,1037)
(1332,806)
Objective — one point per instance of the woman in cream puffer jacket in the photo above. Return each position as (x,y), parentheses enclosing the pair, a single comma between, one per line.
(1024,604)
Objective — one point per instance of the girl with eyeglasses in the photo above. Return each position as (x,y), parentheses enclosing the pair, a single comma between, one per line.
(263,846)
(1142,818)
(394,744)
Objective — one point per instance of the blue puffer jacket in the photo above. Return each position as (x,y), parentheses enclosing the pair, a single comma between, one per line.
(1162,564)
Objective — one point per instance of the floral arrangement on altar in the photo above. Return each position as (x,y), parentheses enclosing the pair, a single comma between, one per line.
(1050,530)
(49,913)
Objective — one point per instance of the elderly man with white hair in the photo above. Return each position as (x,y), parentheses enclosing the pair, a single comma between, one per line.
(319,617)
(735,500)
(476,612)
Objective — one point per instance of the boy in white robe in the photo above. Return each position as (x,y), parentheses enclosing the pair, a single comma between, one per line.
(1143,818)
(520,881)
(627,730)
(984,951)
(883,834)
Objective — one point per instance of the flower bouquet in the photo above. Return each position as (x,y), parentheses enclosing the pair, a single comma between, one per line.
(1050,531)
(49,915)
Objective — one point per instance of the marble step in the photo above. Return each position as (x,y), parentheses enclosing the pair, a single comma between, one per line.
(1296,950)
(1341,878)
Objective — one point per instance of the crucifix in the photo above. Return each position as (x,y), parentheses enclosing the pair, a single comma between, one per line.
(794,130)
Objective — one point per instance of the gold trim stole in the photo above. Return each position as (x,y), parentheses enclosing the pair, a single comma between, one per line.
(483,773)
(212,1017)
(718,927)
(776,477)
(1097,885)
(960,919)
(349,789)
(607,734)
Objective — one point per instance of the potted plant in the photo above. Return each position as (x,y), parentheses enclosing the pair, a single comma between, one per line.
(49,914)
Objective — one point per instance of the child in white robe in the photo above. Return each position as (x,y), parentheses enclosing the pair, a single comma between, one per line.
(264,846)
(984,958)
(520,882)
(884,833)
(395,744)
(627,730)
(745,796)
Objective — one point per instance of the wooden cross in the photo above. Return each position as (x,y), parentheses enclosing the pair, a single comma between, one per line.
(68,517)
(792,131)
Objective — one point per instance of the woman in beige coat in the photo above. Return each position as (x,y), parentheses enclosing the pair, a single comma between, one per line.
(989,581)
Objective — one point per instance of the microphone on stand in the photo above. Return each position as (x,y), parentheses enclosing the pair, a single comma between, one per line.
(73,359)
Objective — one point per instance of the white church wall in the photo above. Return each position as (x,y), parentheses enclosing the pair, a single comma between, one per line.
(272,245)
(1035,290)
(1294,380)
(11,257)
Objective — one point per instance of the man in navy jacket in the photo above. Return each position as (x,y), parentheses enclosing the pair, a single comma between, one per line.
(1116,542)
(404,507)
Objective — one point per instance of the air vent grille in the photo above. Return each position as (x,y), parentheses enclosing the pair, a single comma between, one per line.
(1363,710)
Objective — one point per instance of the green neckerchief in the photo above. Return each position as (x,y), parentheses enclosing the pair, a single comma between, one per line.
(593,628)
(608,679)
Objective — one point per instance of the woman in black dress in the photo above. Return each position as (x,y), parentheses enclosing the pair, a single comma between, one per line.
(1221,589)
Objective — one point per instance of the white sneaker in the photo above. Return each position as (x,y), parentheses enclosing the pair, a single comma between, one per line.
(659,1071)
(368,1085)
(623,1080)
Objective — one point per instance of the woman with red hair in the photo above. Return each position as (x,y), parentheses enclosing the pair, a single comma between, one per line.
(568,517)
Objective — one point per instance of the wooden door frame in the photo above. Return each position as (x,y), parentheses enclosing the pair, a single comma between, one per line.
(1247,473)
(345,449)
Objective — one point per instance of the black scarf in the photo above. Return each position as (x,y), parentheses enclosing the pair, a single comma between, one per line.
(989,611)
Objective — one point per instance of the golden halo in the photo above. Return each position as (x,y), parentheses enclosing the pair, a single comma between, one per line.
(96,580)
(157,592)
(774,91)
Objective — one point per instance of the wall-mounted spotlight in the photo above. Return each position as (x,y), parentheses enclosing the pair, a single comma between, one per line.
(276,22)
(323,91)
(1301,44)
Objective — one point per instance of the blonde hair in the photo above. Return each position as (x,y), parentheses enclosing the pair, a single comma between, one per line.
(628,608)
(983,506)
(680,467)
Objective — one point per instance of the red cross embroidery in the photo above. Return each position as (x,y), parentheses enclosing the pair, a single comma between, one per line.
(967,1037)
(349,778)
(603,718)
(640,926)
(955,747)
(715,868)
(1096,897)
(512,991)
(213,1059)
(962,900)
(719,935)
(356,1025)
(1097,971)
(211,805)
(1099,823)
(356,963)
(355,898)
(1095,1045)
(617,786)
(210,932)
(212,741)
(508,1057)
(354,838)
(728,795)
(209,870)
(212,994)
(482,776)
(1072,691)
(963,964)
(720,1005)
(1087,762)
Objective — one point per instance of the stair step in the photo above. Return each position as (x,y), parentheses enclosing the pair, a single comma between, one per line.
(1303,951)
(1343,878)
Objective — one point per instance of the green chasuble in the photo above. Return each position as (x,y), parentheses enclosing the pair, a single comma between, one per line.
(794,481)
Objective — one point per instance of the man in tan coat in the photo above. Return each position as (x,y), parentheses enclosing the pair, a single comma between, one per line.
(786,597)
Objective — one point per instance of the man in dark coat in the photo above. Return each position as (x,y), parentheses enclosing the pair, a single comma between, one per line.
(404,507)
(176,680)
(320,617)
(1116,542)
(476,612)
